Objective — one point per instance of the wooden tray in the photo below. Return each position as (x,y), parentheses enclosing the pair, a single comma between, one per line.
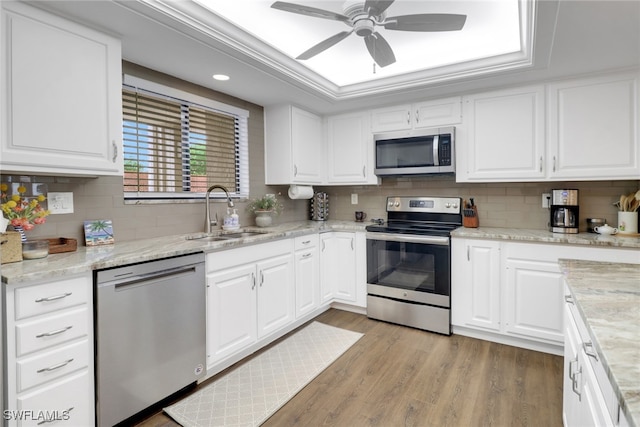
(618,234)
(62,244)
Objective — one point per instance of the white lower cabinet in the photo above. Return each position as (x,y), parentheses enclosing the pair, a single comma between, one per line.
(588,397)
(49,352)
(307,268)
(250,293)
(475,290)
(338,276)
(276,293)
(512,292)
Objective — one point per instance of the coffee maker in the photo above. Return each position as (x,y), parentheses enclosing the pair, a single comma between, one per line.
(564,211)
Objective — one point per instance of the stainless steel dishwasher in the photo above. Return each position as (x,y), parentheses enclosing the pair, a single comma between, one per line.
(150,334)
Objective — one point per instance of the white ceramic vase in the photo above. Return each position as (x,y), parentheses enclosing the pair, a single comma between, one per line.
(263,218)
(628,222)
(4,223)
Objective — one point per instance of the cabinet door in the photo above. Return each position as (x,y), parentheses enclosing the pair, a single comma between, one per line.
(572,380)
(62,107)
(593,128)
(338,266)
(534,303)
(307,266)
(276,293)
(350,150)
(307,149)
(231,311)
(504,136)
(475,288)
(440,112)
(391,118)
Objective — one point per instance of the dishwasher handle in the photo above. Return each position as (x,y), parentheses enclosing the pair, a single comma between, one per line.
(152,276)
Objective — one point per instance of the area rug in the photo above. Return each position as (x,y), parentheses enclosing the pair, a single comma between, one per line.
(250,394)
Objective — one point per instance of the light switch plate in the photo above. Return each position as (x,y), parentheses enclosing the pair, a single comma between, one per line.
(354,199)
(60,203)
(546,200)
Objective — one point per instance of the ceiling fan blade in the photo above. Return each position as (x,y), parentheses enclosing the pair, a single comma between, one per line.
(309,11)
(379,49)
(323,45)
(377,7)
(426,22)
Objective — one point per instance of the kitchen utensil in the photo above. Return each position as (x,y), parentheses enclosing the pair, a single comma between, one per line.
(605,229)
(470,214)
(595,222)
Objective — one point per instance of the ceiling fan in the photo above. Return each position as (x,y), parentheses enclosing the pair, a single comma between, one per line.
(363,19)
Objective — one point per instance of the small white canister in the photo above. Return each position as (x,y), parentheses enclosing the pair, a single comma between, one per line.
(628,222)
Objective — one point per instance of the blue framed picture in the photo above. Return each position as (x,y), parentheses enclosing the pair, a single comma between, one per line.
(98,232)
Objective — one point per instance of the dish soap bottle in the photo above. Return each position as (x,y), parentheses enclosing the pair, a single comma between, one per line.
(235,219)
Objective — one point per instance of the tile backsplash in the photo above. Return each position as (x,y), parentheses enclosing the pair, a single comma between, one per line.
(517,205)
(499,204)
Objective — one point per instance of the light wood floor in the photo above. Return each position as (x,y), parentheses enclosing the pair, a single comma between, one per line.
(398,376)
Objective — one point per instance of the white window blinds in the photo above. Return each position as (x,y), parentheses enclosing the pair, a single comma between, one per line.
(176,148)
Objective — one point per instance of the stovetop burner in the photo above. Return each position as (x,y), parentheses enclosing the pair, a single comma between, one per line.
(436,216)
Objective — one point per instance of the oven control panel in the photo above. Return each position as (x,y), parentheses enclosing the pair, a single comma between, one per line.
(424,204)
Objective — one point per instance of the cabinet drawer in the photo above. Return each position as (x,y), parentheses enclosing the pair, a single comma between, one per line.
(52,364)
(48,297)
(69,400)
(51,330)
(304,242)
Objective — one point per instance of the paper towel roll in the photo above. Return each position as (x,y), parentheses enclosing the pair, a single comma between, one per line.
(300,192)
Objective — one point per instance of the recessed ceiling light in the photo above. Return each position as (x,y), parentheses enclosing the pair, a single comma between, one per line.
(221,77)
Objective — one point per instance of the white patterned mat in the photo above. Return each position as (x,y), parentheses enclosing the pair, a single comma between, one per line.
(250,394)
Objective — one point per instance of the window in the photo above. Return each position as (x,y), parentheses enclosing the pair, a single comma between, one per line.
(177,145)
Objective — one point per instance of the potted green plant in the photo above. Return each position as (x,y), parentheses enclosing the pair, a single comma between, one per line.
(264,208)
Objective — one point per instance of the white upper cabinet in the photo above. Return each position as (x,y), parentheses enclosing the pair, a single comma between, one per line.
(294,151)
(61,102)
(593,128)
(350,157)
(503,136)
(579,129)
(440,112)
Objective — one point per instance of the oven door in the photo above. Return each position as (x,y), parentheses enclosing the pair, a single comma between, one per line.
(409,267)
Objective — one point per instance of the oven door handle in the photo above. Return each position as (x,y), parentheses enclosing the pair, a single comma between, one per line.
(393,237)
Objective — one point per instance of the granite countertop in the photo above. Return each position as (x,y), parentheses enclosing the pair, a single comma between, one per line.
(544,236)
(121,253)
(607,296)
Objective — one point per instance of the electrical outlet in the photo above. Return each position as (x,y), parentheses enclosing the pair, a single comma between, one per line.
(60,203)
(354,199)
(546,200)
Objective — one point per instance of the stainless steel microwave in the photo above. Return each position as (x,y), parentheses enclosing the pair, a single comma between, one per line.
(415,152)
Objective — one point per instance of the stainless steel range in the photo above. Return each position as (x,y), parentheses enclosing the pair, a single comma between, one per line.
(409,262)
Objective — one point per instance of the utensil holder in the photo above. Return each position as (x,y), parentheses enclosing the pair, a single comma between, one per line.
(470,217)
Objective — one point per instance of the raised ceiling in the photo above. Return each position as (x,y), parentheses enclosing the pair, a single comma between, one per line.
(495,32)
(188,40)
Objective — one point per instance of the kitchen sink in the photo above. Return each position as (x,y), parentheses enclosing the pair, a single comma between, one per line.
(223,236)
(240,234)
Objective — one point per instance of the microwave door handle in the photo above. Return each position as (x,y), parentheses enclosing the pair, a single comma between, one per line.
(436,157)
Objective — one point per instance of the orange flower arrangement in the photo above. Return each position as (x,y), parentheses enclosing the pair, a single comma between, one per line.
(20,211)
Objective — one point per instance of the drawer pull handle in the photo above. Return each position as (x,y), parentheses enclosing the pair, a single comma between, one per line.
(307,255)
(588,350)
(306,242)
(54,367)
(53,298)
(52,333)
(56,418)
(569,299)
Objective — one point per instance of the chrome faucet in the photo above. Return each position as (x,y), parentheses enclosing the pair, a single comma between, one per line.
(208,222)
